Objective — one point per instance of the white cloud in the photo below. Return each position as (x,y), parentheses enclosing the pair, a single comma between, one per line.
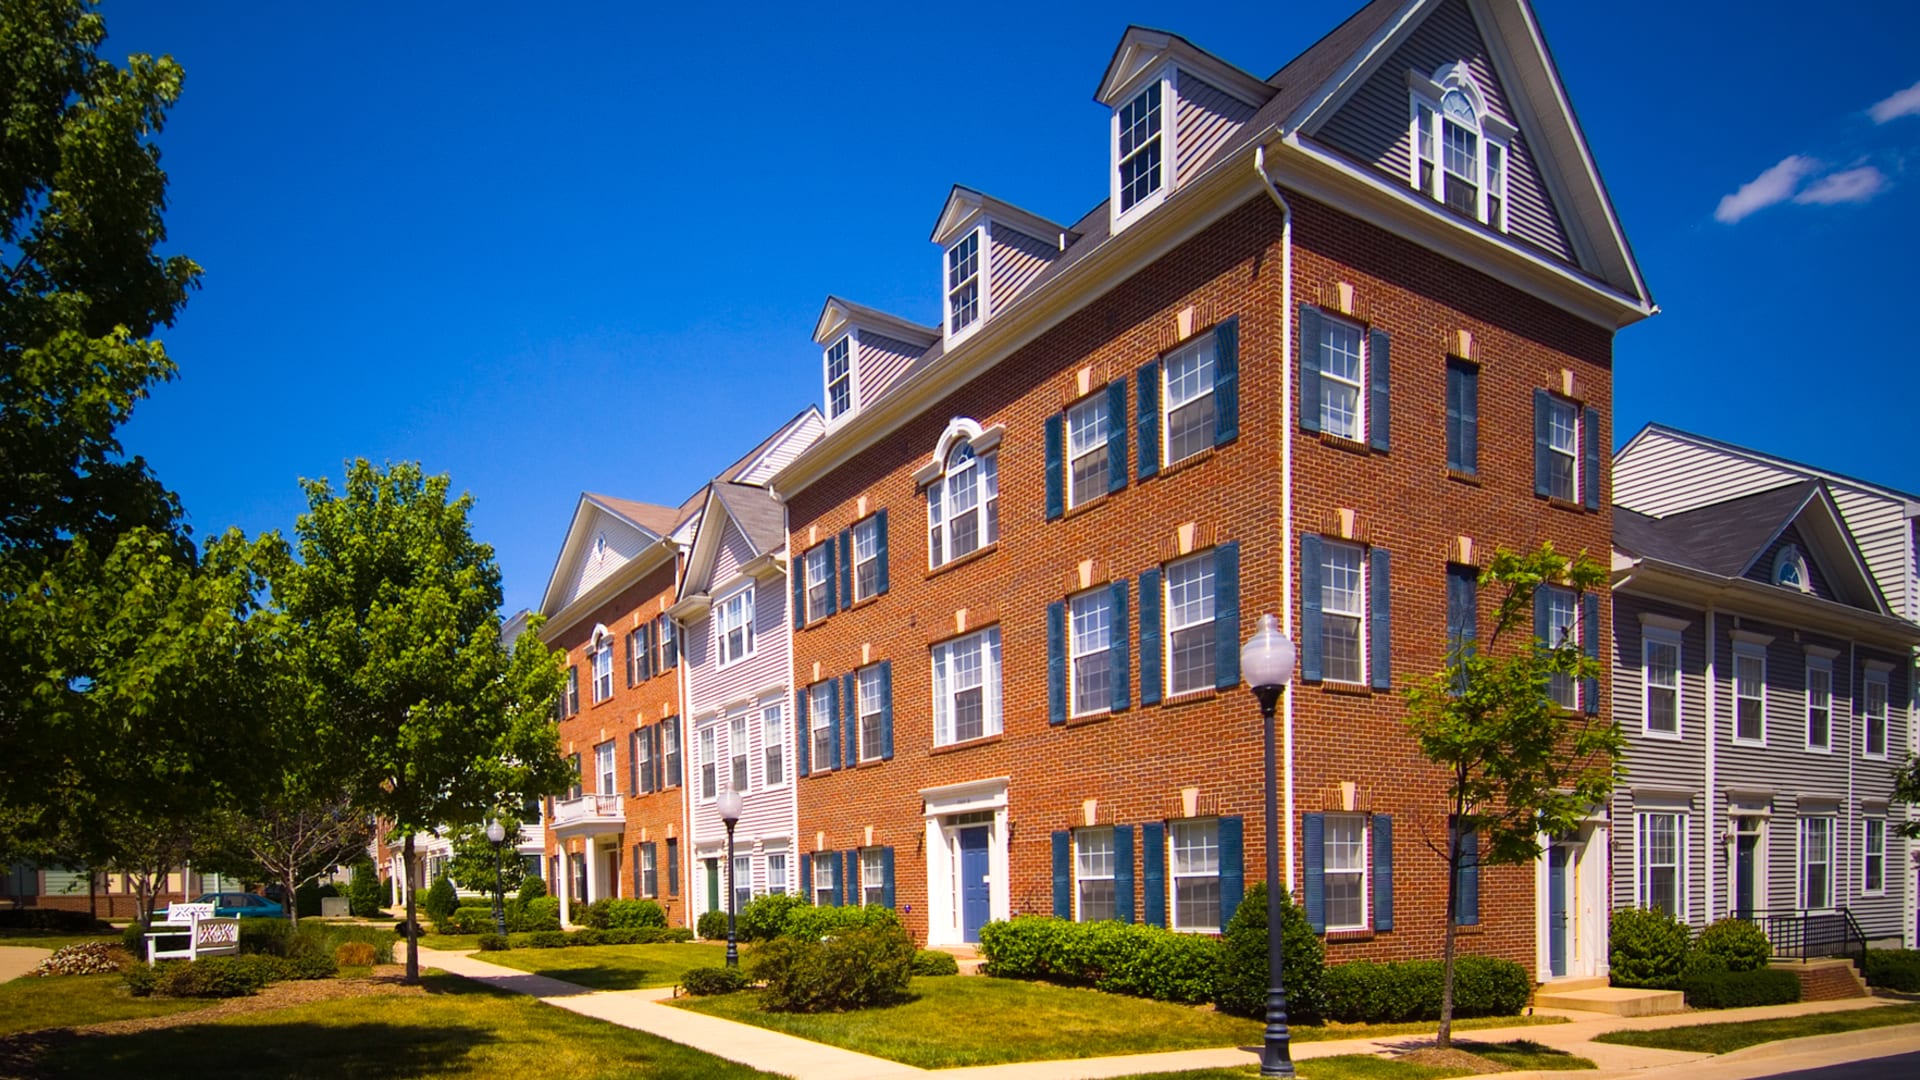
(1776,185)
(1896,105)
(1848,186)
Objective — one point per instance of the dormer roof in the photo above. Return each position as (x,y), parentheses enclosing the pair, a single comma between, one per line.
(837,315)
(1143,51)
(965,207)
(752,511)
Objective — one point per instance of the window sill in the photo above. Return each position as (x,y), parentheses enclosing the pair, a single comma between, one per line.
(1664,736)
(1081,508)
(1189,461)
(1085,719)
(970,557)
(1362,934)
(1347,689)
(1186,696)
(1570,507)
(1757,744)
(1472,478)
(954,748)
(1341,442)
(1824,751)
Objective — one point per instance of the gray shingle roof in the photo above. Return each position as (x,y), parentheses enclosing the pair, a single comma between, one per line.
(759,515)
(1721,539)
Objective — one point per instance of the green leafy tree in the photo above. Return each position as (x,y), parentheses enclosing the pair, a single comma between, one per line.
(288,838)
(474,864)
(1517,764)
(395,610)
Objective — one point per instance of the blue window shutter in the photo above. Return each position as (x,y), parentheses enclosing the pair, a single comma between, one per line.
(1380,403)
(1226,383)
(1150,637)
(886,877)
(1590,434)
(1226,617)
(880,552)
(1470,420)
(802,736)
(1119,651)
(799,572)
(1590,643)
(1117,435)
(1309,368)
(633,762)
(1468,912)
(1149,419)
(1312,639)
(1123,873)
(1233,868)
(806,876)
(1380,620)
(1542,473)
(833,724)
(846,568)
(1056,465)
(1382,872)
(839,877)
(1456,436)
(1062,874)
(1153,867)
(1314,852)
(886,710)
(856,886)
(1057,663)
(1540,614)
(833,579)
(849,720)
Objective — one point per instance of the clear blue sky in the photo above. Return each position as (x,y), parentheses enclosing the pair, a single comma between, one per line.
(549,248)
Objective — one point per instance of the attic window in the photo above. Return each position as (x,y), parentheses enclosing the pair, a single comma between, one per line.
(963,284)
(1460,148)
(1137,128)
(840,378)
(1790,569)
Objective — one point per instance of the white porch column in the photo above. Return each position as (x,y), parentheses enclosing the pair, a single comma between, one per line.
(566,882)
(593,870)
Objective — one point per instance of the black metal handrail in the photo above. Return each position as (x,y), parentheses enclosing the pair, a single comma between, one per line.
(1809,935)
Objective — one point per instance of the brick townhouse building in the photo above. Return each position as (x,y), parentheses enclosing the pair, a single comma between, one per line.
(1334,337)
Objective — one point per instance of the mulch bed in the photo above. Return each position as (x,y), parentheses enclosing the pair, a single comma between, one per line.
(1452,1059)
(19,1052)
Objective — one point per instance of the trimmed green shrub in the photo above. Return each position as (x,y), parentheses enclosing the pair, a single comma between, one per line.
(713,926)
(466,920)
(645,935)
(134,939)
(539,913)
(1737,989)
(532,888)
(1738,944)
(814,923)
(1370,992)
(853,969)
(441,900)
(328,937)
(625,914)
(212,977)
(363,894)
(1243,974)
(311,966)
(306,900)
(267,936)
(494,943)
(587,936)
(50,919)
(1894,969)
(1143,961)
(547,939)
(765,918)
(1647,948)
(935,962)
(354,954)
(707,981)
(142,979)
(1485,986)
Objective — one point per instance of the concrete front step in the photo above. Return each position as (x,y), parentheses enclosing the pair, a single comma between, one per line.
(967,956)
(1610,1000)
(1825,980)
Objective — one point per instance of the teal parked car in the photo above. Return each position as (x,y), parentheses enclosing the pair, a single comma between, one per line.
(241,905)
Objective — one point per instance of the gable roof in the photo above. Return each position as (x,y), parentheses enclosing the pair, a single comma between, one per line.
(648,526)
(752,510)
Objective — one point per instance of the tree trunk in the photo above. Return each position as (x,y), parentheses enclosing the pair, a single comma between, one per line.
(293,900)
(1444,1040)
(413,939)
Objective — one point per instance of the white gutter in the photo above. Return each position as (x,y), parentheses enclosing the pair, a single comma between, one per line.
(1715,846)
(1286,459)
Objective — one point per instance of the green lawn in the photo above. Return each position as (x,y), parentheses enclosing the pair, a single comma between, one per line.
(1343,1067)
(613,967)
(30,1004)
(1526,1055)
(1723,1037)
(448,942)
(42,939)
(1331,1032)
(459,1029)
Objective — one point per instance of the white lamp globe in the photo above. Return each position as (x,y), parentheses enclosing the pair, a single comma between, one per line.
(1267,657)
(496,832)
(729,804)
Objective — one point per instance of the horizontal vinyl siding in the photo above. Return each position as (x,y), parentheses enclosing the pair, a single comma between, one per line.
(1206,116)
(1881,534)
(882,361)
(782,453)
(1374,125)
(1662,475)
(1661,765)
(711,686)
(1881,916)
(764,813)
(623,543)
(1016,259)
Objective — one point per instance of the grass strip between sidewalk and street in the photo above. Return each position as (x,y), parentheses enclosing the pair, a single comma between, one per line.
(1520,1055)
(612,967)
(1734,1035)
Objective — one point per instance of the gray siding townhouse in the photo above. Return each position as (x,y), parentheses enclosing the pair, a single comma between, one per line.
(1764,677)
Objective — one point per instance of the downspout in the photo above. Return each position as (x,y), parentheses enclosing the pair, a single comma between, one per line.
(1286,466)
(1715,846)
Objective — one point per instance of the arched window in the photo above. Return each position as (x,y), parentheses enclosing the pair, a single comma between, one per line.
(1460,147)
(1790,569)
(963,501)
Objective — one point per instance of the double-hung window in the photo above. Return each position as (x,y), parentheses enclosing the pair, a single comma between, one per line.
(639,665)
(643,761)
(1660,849)
(819,563)
(1196,874)
(1563,450)
(1816,862)
(823,892)
(840,378)
(742,881)
(673,752)
(1188,394)
(1343,606)
(966,688)
(1090,639)
(602,669)
(1819,704)
(1749,694)
(873,877)
(1138,149)
(1343,379)
(963,506)
(1460,157)
(1873,861)
(1087,451)
(737,750)
(603,768)
(708,752)
(668,655)
(1874,700)
(773,746)
(1093,887)
(649,872)
(866,558)
(573,691)
(1562,630)
(1463,416)
(733,625)
(820,714)
(1346,871)
(963,284)
(777,873)
(1190,630)
(869,704)
(1661,655)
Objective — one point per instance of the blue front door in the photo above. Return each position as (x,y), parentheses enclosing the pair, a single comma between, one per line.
(976,887)
(1559,860)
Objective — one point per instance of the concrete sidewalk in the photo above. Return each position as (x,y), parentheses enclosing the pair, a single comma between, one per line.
(17,960)
(772,1051)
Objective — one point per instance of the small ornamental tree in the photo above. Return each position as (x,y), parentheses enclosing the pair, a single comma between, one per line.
(1906,790)
(1517,764)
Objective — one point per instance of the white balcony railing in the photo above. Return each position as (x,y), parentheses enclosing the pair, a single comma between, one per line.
(588,810)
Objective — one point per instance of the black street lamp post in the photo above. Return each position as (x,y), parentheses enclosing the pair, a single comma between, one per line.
(729,807)
(497,835)
(1266,662)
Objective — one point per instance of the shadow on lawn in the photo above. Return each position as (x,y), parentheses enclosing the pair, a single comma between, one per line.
(597,977)
(279,1050)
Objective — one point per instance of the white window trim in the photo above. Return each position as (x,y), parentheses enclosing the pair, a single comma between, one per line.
(1097,402)
(1366,874)
(607,780)
(1885,869)
(1575,628)
(816,709)
(981,276)
(1169,148)
(1492,132)
(822,551)
(1876,678)
(939,486)
(1073,670)
(1173,877)
(706,756)
(1579,440)
(1682,833)
(772,746)
(1365,614)
(740,723)
(1168,629)
(749,640)
(1755,652)
(819,866)
(852,338)
(1204,341)
(993,720)
(1818,663)
(1651,636)
(1078,877)
(786,870)
(872,524)
(1361,388)
(1800,862)
(863,752)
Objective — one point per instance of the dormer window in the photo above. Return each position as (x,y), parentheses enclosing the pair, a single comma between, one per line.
(1137,127)
(1790,569)
(840,378)
(1461,148)
(963,284)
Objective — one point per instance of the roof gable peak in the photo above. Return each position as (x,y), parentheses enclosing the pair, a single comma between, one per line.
(1142,51)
